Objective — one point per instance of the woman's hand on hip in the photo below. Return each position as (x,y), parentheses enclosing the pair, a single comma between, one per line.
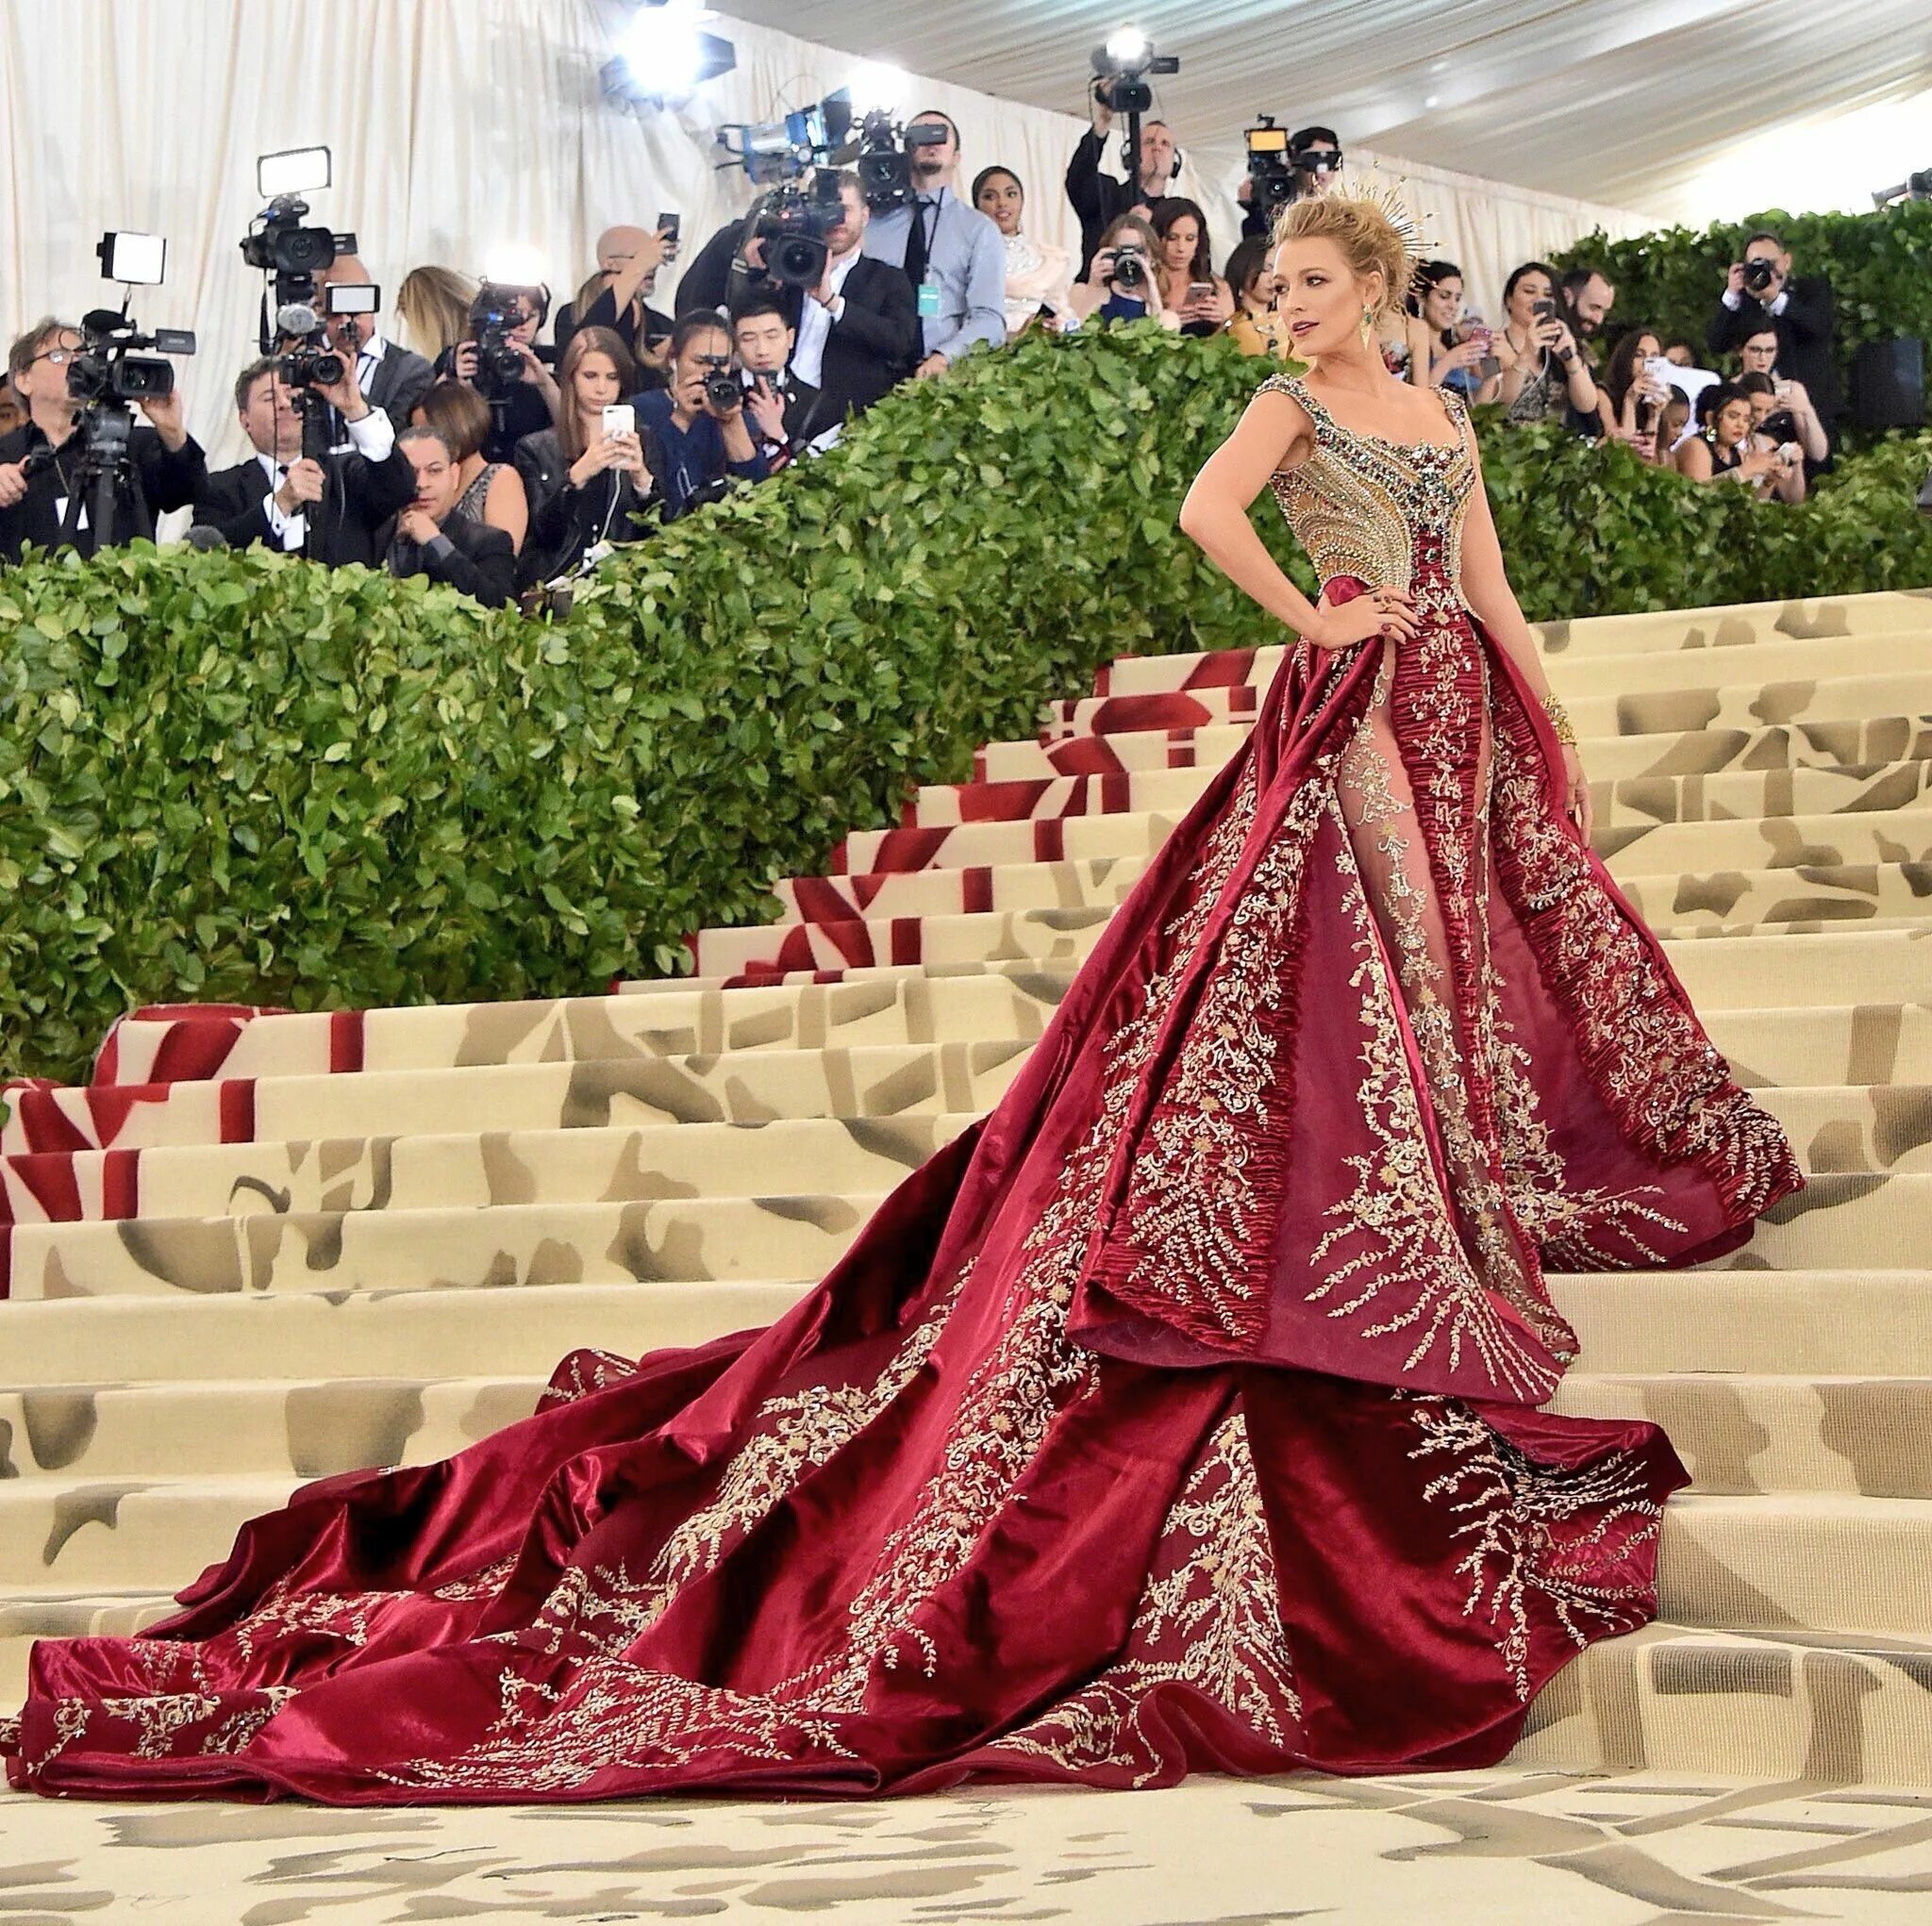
(1385,612)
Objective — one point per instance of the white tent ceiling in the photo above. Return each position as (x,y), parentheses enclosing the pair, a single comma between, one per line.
(1660,105)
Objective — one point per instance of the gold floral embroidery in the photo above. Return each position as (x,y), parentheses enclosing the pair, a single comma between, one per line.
(1208,1619)
(1526,1525)
(1396,1213)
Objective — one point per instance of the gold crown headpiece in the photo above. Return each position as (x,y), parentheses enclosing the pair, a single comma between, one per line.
(1416,245)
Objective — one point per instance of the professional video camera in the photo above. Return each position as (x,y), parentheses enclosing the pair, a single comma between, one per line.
(1121,69)
(793,221)
(292,256)
(104,376)
(1915,187)
(884,161)
(1308,160)
(1269,167)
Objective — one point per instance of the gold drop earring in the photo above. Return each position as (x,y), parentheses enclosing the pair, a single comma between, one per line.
(1368,327)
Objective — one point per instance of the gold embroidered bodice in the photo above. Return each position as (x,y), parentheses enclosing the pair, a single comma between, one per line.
(1358,503)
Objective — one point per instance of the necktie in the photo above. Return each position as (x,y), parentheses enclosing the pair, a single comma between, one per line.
(918,247)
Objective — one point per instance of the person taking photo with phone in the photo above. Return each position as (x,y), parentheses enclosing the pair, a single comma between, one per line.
(1185,266)
(615,296)
(593,478)
(1542,370)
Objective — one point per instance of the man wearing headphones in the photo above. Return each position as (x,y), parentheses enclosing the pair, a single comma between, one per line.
(1098,198)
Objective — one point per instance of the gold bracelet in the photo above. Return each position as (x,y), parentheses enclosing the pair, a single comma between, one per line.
(1560,722)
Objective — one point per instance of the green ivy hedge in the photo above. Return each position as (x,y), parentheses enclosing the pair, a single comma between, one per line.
(1879,266)
(234,777)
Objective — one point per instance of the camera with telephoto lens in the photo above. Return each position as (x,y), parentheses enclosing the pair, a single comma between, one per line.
(293,255)
(1759,274)
(793,221)
(1269,167)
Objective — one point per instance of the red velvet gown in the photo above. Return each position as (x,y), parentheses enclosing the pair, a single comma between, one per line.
(1182,1414)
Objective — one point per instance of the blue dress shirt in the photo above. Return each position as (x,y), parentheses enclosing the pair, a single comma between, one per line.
(970,260)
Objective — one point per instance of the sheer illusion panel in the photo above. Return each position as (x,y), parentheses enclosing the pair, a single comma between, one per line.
(1426,888)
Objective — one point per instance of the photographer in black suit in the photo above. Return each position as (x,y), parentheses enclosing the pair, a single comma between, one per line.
(430,538)
(45,490)
(1098,198)
(391,378)
(1759,292)
(858,329)
(329,511)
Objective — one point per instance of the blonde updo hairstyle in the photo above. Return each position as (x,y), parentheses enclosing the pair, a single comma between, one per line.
(1366,236)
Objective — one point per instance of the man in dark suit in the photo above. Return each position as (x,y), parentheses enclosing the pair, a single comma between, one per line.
(858,331)
(430,538)
(1099,199)
(46,497)
(329,511)
(780,404)
(1760,291)
(391,378)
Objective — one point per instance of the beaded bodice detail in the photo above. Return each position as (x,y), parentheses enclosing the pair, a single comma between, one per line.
(1365,506)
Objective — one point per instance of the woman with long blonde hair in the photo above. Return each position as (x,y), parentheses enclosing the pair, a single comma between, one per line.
(434,306)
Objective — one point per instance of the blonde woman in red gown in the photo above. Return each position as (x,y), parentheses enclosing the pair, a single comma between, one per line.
(1181,1415)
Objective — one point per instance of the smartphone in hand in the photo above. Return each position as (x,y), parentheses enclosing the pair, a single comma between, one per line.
(620,418)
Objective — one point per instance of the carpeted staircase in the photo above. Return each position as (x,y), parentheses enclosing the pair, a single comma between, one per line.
(259,1249)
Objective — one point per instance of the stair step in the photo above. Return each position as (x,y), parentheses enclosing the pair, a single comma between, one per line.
(1739,738)
(1837,1323)
(687,1020)
(1799,1561)
(26,1614)
(1875,966)
(1630,689)
(1838,1129)
(311,1428)
(1001,866)
(1746,902)
(1747,794)
(1903,613)
(417,1334)
(1767,1706)
(1856,817)
(1748,1433)
(691,1241)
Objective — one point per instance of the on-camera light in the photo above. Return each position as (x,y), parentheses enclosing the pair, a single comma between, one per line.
(1126,46)
(294,170)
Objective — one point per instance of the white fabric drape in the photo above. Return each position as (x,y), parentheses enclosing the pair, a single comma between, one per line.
(459,127)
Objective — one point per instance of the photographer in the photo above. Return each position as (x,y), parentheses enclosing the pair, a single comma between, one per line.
(44,482)
(1543,372)
(779,405)
(329,510)
(858,328)
(1760,291)
(503,328)
(1757,355)
(586,487)
(951,254)
(430,538)
(1314,154)
(1120,283)
(1099,199)
(390,377)
(614,297)
(698,425)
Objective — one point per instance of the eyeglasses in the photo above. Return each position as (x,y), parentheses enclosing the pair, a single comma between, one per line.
(58,356)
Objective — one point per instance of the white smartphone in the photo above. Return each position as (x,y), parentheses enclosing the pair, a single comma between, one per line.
(620,418)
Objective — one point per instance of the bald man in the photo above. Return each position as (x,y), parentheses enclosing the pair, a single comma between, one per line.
(391,378)
(627,263)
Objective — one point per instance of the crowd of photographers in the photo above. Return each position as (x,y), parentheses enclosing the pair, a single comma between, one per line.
(490,460)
